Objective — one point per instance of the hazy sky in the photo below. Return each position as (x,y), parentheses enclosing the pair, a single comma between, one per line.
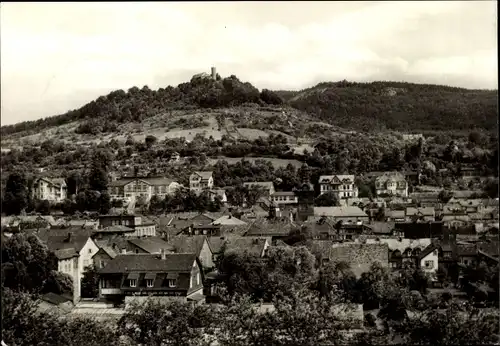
(56,57)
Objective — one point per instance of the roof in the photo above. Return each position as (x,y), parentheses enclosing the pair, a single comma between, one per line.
(64,254)
(466,249)
(187,244)
(426,211)
(109,251)
(381,227)
(205,175)
(339,211)
(401,245)
(148,262)
(54,181)
(395,214)
(284,193)
(115,229)
(386,176)
(425,252)
(336,178)
(265,227)
(155,181)
(250,244)
(57,239)
(264,184)
(151,245)
(55,299)
(228,220)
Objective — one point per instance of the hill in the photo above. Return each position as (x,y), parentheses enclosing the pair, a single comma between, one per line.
(397,106)
(226,105)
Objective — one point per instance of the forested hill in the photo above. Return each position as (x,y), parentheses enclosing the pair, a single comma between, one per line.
(397,106)
(358,106)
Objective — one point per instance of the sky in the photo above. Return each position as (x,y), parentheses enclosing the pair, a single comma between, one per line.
(59,56)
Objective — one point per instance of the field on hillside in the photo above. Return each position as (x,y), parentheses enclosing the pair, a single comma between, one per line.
(276,162)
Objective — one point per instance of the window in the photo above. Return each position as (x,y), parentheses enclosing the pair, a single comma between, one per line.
(429,264)
(85,263)
(171,283)
(197,278)
(90,250)
(133,283)
(102,264)
(136,250)
(149,282)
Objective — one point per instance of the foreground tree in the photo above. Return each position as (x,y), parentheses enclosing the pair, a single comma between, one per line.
(15,198)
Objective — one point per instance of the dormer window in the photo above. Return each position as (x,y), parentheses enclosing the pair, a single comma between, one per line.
(149,283)
(171,283)
(133,283)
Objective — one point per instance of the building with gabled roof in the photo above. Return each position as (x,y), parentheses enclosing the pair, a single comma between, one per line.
(342,185)
(132,188)
(50,189)
(345,214)
(201,180)
(198,245)
(267,186)
(391,184)
(138,276)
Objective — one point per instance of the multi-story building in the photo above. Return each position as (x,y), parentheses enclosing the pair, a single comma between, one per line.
(146,187)
(135,225)
(266,186)
(53,189)
(199,181)
(138,276)
(342,185)
(285,197)
(391,184)
(74,249)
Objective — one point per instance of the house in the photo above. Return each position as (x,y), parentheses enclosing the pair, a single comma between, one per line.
(29,222)
(342,185)
(420,214)
(197,245)
(253,245)
(220,193)
(194,230)
(285,197)
(395,215)
(141,226)
(429,260)
(266,186)
(275,228)
(305,207)
(151,245)
(345,214)
(322,228)
(103,256)
(228,220)
(425,199)
(74,249)
(135,277)
(467,253)
(199,181)
(52,190)
(467,206)
(391,184)
(360,257)
(378,229)
(175,157)
(133,188)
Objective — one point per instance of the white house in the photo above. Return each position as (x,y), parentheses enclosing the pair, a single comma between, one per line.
(199,181)
(147,187)
(267,186)
(342,185)
(391,183)
(429,260)
(53,190)
(285,197)
(74,249)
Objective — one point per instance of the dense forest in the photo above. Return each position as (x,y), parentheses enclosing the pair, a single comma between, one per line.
(359,106)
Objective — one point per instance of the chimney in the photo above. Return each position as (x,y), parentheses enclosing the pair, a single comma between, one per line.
(163,254)
(68,239)
(214,73)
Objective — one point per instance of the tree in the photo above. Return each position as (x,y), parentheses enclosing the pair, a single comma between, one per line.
(150,140)
(104,203)
(336,277)
(16,193)
(327,199)
(28,265)
(175,323)
(454,326)
(445,195)
(22,324)
(90,283)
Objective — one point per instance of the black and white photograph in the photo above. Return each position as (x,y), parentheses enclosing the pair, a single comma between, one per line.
(283,173)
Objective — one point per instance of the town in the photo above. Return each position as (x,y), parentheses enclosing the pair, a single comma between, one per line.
(249,173)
